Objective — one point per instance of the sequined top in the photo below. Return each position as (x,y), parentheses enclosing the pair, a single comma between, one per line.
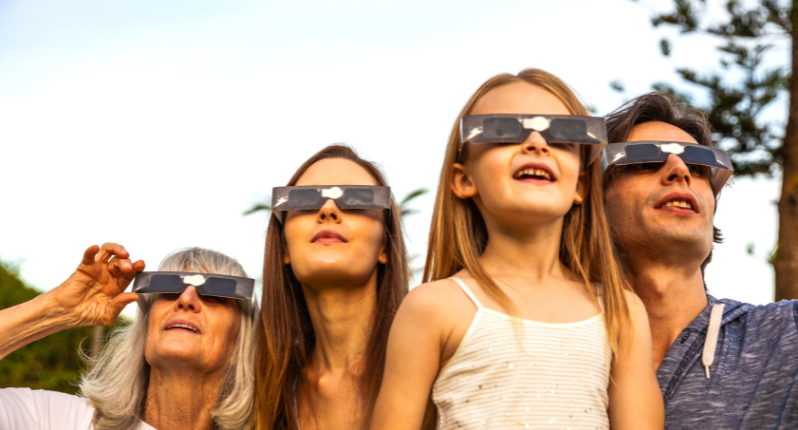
(556,377)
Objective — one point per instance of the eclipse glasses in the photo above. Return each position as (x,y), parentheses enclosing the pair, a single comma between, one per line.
(516,128)
(625,153)
(313,197)
(207,284)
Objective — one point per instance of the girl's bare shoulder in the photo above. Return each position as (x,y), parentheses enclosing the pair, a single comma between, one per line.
(443,298)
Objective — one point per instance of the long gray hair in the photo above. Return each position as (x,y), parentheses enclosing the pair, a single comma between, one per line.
(117,383)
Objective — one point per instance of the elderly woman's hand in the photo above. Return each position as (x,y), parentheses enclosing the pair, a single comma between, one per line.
(94,293)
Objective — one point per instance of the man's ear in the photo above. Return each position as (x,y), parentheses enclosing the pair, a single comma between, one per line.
(462,185)
(581,188)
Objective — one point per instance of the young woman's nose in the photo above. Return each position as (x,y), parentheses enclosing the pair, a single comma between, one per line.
(330,212)
(675,170)
(189,300)
(535,143)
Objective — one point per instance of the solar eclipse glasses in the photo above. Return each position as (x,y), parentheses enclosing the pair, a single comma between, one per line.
(313,197)
(516,128)
(207,284)
(625,153)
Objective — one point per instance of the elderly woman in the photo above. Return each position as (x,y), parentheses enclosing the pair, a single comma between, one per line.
(186,361)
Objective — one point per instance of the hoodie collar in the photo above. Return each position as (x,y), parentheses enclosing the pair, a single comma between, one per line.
(686,349)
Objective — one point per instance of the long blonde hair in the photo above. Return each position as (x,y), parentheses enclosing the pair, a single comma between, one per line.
(458,235)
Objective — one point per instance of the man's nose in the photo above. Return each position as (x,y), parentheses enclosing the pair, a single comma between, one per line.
(675,170)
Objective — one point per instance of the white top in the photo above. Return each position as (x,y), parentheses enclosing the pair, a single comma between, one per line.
(555,377)
(26,409)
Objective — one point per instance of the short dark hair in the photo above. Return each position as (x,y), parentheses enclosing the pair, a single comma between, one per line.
(665,108)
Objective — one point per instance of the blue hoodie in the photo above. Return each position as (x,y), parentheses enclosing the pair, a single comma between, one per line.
(754,379)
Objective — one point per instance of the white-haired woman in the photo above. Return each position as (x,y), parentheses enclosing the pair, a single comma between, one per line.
(186,361)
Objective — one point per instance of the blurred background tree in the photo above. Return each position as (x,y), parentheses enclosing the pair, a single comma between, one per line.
(735,98)
(51,363)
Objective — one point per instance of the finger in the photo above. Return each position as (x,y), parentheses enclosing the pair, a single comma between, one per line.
(117,304)
(89,254)
(119,266)
(111,249)
(135,269)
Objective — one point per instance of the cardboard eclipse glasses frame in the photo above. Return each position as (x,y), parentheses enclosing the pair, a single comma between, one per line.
(628,153)
(207,284)
(516,128)
(313,197)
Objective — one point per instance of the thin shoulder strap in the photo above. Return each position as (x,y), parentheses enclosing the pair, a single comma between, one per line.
(467,291)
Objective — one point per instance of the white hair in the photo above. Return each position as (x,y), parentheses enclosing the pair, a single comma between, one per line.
(117,382)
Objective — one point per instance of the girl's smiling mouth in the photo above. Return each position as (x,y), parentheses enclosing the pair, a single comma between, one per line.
(535,173)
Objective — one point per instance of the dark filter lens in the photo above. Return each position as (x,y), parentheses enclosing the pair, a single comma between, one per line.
(642,153)
(568,129)
(220,286)
(165,283)
(699,156)
(299,198)
(501,128)
(358,197)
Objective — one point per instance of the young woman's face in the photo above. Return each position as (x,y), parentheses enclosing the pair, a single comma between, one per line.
(525,183)
(331,245)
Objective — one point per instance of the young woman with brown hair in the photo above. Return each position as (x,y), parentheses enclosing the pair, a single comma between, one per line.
(525,321)
(332,281)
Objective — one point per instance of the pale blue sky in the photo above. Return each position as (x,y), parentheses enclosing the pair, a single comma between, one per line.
(155,124)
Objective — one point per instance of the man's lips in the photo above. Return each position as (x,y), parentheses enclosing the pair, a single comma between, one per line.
(681,203)
(328,236)
(182,325)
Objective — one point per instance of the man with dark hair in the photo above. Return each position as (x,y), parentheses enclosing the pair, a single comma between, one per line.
(721,364)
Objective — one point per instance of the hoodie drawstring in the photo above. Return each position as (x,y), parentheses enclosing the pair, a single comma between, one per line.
(711,341)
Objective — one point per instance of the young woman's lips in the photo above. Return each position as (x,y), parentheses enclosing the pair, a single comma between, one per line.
(328,237)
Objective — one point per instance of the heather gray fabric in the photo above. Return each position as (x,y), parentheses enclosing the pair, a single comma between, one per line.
(754,380)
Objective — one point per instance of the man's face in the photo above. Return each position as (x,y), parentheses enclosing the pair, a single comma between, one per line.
(659,208)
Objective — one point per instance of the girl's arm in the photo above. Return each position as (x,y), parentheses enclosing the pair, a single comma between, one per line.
(635,396)
(415,346)
(92,295)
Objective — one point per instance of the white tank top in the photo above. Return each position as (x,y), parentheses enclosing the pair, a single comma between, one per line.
(558,380)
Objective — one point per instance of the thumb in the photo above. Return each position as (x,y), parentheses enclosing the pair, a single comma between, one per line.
(117,304)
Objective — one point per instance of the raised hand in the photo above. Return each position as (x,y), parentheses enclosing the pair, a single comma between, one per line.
(93,294)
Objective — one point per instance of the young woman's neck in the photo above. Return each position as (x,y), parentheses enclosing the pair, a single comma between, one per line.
(182,399)
(341,314)
(532,252)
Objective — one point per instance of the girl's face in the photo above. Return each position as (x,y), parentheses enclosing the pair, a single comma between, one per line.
(521,184)
(333,245)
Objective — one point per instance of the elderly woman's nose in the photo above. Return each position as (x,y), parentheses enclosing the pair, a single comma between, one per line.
(189,300)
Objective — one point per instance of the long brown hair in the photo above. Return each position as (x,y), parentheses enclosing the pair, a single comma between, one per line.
(286,343)
(458,235)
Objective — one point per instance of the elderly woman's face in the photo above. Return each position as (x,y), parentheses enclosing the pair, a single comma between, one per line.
(192,331)
(334,245)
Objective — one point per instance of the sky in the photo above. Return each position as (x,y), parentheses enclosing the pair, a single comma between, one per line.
(156,124)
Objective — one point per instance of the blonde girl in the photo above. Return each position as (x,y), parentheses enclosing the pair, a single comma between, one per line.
(524,320)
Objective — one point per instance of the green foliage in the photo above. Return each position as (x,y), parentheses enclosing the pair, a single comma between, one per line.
(733,108)
(51,363)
